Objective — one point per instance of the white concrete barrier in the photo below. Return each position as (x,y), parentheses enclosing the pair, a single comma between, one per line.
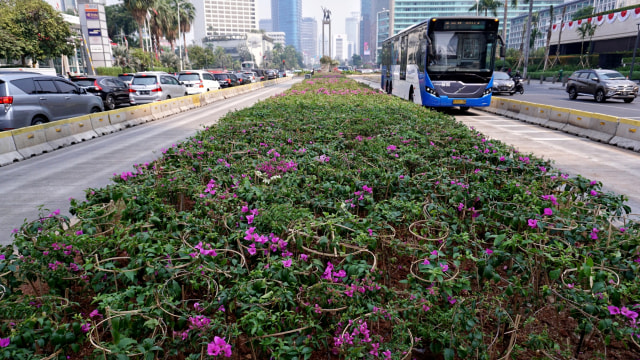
(59,134)
(100,123)
(81,129)
(8,151)
(627,134)
(31,141)
(558,118)
(139,114)
(118,119)
(582,123)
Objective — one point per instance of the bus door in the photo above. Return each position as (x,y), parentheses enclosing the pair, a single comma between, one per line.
(403,57)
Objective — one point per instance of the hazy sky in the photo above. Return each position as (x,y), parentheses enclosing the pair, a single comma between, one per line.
(340,10)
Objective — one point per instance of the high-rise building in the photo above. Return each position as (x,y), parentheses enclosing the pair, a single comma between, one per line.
(382,29)
(266,25)
(278,37)
(308,39)
(369,10)
(287,17)
(229,17)
(352,28)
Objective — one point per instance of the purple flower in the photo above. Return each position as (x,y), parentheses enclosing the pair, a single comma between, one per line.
(86,327)
(286,263)
(460,207)
(488,251)
(95,313)
(632,315)
(79,232)
(370,232)
(2,257)
(250,219)
(613,310)
(219,346)
(434,253)
(594,193)
(5,342)
(392,148)
(548,212)
(444,267)
(594,234)
(304,257)
(426,262)
(533,223)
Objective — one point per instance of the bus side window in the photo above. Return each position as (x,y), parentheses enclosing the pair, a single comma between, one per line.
(420,54)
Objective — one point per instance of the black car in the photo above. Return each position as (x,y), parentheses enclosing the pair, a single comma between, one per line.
(113,91)
(234,80)
(260,74)
(223,79)
(126,77)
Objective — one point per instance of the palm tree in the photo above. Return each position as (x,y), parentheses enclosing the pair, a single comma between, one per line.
(486,6)
(187,15)
(584,30)
(159,19)
(514,4)
(139,9)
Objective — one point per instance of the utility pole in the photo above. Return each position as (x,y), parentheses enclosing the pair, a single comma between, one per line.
(179,36)
(527,41)
(633,59)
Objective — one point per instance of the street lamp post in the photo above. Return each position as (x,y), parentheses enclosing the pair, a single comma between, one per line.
(633,59)
(179,35)
(477,7)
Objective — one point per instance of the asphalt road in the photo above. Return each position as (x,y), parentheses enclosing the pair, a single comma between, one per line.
(50,180)
(555,95)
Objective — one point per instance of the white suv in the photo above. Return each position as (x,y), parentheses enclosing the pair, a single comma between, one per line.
(198,81)
(149,86)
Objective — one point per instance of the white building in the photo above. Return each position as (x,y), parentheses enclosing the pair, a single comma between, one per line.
(340,47)
(279,37)
(215,17)
(352,28)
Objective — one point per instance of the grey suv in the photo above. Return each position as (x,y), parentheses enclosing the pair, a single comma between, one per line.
(602,85)
(150,86)
(30,99)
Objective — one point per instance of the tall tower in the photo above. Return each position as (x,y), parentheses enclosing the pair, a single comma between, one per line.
(287,17)
(368,25)
(309,39)
(352,28)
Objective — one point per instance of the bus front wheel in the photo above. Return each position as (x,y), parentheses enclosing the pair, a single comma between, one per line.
(464,108)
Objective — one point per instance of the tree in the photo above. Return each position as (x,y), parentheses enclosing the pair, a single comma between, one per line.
(548,42)
(584,30)
(582,13)
(33,29)
(187,15)
(356,60)
(138,9)
(119,22)
(122,57)
(486,6)
(514,4)
(200,58)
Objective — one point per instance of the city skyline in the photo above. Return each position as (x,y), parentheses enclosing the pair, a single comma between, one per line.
(340,11)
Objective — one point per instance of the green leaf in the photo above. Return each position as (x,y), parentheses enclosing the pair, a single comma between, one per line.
(449,354)
(554,274)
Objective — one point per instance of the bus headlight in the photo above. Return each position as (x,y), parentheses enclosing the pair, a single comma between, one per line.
(431,91)
(486,91)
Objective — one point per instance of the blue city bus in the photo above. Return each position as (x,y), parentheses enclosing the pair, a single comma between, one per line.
(443,62)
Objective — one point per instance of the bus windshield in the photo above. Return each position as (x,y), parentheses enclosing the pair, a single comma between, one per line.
(455,52)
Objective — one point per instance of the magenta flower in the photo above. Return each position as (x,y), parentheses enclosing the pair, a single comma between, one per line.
(451,300)
(548,212)
(594,193)
(304,257)
(533,223)
(2,257)
(594,234)
(218,347)
(370,232)
(95,313)
(367,189)
(632,315)
(426,262)
(488,251)
(245,209)
(460,207)
(392,148)
(250,219)
(444,267)
(86,327)
(287,263)
(613,310)
(5,342)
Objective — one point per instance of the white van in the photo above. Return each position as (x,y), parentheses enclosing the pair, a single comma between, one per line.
(198,81)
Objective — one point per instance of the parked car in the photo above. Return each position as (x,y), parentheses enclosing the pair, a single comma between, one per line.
(246,79)
(31,99)
(503,83)
(111,90)
(253,77)
(223,80)
(233,80)
(602,85)
(198,81)
(260,73)
(270,74)
(149,86)
(126,77)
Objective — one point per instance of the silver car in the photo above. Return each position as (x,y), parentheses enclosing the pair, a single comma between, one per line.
(602,85)
(150,86)
(31,99)
(503,83)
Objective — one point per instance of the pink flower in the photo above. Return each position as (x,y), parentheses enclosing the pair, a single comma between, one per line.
(245,209)
(632,315)
(392,148)
(86,327)
(95,313)
(250,219)
(451,300)
(5,342)
(613,310)
(570,286)
(594,234)
(488,251)
(444,267)
(548,212)
(367,189)
(434,253)
(460,207)
(426,262)
(370,232)
(286,263)
(304,257)
(533,223)
(219,346)
(2,257)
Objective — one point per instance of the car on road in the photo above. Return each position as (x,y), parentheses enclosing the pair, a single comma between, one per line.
(253,77)
(503,83)
(149,86)
(126,77)
(270,74)
(223,80)
(111,90)
(31,99)
(602,85)
(198,81)
(233,80)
